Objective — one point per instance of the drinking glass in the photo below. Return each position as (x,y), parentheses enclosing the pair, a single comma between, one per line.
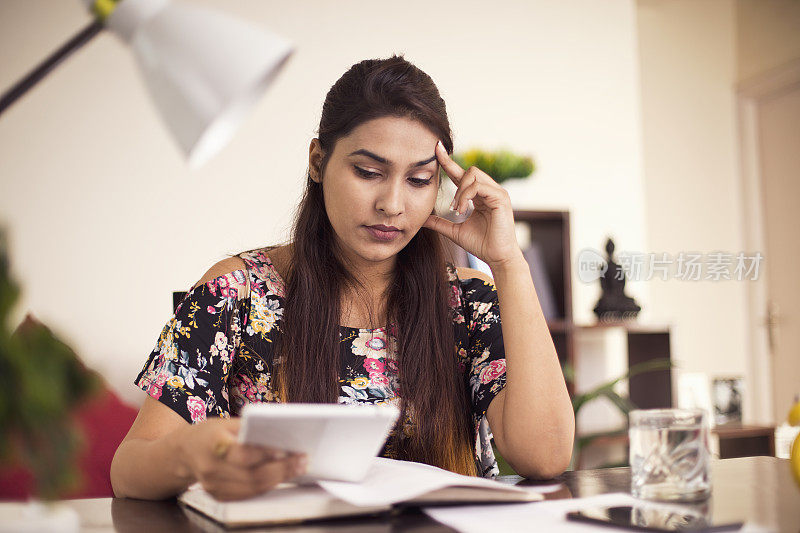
(669,454)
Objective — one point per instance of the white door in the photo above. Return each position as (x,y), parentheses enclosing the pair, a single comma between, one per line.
(779,156)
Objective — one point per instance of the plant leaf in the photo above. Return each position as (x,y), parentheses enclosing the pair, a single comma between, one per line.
(579,400)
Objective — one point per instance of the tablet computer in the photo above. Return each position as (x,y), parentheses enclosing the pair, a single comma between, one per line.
(339,440)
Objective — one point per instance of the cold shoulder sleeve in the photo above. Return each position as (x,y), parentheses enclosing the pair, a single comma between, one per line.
(486,352)
(189,367)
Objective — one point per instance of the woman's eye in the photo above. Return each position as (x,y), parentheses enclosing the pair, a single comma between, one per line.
(420,182)
(366,173)
(417,182)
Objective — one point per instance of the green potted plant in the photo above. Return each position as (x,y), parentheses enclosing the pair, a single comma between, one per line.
(501,165)
(606,390)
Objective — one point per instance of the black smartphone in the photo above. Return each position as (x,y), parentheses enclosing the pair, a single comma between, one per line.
(651,518)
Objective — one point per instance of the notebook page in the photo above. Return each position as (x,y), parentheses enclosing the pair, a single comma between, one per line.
(391,481)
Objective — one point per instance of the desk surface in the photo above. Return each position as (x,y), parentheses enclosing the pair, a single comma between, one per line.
(756,489)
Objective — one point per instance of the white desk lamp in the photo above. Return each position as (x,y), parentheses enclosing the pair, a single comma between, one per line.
(204,69)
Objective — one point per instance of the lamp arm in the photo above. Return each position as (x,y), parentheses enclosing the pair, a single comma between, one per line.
(22,86)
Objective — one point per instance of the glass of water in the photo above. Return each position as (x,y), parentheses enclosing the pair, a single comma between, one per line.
(669,454)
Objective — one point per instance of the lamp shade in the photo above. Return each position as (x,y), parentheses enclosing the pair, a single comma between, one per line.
(204,69)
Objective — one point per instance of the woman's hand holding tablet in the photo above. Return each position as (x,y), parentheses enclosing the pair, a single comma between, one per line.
(340,441)
(231,470)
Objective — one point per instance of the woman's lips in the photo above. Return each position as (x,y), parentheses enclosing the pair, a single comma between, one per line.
(383,235)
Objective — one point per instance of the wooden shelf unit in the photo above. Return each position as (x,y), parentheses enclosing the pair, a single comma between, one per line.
(550,230)
(649,390)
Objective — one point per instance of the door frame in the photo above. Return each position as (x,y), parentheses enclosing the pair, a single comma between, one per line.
(749,94)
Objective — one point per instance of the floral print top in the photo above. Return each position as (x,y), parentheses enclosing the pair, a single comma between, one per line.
(206,362)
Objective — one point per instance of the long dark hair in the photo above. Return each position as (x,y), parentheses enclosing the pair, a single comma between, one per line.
(433,391)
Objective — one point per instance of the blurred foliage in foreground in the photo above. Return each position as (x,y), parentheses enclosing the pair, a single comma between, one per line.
(41,383)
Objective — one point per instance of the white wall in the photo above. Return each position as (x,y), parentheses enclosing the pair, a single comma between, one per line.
(106,220)
(688,73)
(692,55)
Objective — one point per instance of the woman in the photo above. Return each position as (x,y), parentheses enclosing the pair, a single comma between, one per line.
(361,307)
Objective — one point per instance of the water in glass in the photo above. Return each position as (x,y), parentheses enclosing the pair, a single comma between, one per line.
(669,454)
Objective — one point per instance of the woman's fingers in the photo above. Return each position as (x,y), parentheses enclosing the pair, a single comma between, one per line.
(471,192)
(450,167)
(255,475)
(226,447)
(230,470)
(236,490)
(468,183)
(291,467)
(230,482)
(443,226)
(479,188)
(474,184)
(245,455)
(221,433)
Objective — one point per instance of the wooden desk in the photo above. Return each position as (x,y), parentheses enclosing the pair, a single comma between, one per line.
(758,489)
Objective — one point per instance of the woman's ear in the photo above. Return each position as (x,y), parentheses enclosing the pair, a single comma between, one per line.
(315,156)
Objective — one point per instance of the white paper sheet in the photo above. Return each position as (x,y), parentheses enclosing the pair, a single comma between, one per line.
(390,481)
(549,516)
(538,516)
(541,489)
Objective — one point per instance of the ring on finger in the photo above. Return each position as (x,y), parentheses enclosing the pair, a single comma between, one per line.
(221,448)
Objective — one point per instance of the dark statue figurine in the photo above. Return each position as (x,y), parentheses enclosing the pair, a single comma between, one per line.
(614,305)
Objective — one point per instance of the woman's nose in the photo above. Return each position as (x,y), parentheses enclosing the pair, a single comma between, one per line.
(390,198)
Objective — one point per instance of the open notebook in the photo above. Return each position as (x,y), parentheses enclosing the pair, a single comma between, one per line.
(388,483)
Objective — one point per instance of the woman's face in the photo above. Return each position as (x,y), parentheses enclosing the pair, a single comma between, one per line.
(384,173)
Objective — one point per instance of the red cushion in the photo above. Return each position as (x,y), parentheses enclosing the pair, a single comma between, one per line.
(104,421)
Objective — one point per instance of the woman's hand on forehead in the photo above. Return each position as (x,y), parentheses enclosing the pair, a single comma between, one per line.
(488,233)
